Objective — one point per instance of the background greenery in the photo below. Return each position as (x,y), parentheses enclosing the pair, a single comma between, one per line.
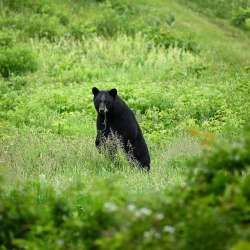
(182,66)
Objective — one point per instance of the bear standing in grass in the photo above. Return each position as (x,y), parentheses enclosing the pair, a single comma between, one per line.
(114,117)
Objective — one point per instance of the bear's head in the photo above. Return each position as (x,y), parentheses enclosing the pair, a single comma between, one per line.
(104,100)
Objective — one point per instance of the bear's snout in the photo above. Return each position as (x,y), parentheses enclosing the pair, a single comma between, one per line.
(102,108)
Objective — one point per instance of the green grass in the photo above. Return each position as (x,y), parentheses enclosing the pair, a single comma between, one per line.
(58,160)
(186,77)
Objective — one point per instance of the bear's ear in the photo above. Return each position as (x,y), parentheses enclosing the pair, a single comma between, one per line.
(95,91)
(113,92)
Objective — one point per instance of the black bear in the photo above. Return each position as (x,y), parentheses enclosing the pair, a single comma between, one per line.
(115,117)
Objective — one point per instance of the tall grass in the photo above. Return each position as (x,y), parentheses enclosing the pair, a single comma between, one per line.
(60,161)
(121,59)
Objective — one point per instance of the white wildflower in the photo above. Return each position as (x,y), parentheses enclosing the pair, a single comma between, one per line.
(159,216)
(131,207)
(110,207)
(168,229)
(152,233)
(157,235)
(149,233)
(60,241)
(143,212)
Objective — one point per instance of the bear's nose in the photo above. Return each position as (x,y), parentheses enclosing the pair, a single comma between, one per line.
(101,110)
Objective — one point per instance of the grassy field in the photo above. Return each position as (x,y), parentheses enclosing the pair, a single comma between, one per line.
(182,67)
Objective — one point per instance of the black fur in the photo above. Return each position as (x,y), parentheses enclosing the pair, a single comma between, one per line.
(121,121)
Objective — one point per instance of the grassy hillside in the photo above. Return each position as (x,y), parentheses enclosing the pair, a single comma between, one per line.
(184,71)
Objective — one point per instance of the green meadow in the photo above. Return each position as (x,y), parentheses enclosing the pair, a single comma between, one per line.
(182,66)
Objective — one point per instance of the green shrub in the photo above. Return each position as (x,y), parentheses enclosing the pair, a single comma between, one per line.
(220,165)
(219,8)
(63,19)
(78,30)
(23,224)
(110,24)
(206,228)
(218,195)
(37,6)
(117,17)
(12,22)
(241,245)
(124,7)
(44,26)
(165,38)
(240,18)
(16,60)
(6,39)
(18,5)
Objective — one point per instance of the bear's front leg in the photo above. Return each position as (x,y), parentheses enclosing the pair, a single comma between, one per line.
(97,140)
(100,131)
(101,138)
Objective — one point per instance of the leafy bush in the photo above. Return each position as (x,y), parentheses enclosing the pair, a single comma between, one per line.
(35,18)
(38,6)
(63,19)
(16,60)
(119,18)
(12,22)
(123,7)
(108,25)
(217,227)
(111,23)
(219,8)
(43,26)
(214,185)
(6,39)
(169,38)
(221,164)
(239,19)
(77,30)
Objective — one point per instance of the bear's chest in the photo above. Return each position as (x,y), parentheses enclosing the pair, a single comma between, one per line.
(116,127)
(127,128)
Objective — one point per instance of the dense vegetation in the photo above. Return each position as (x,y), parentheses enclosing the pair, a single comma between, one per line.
(182,66)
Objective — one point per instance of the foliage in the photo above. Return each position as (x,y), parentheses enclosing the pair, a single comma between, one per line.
(236,11)
(219,8)
(240,18)
(166,38)
(185,76)
(44,27)
(38,6)
(6,40)
(16,60)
